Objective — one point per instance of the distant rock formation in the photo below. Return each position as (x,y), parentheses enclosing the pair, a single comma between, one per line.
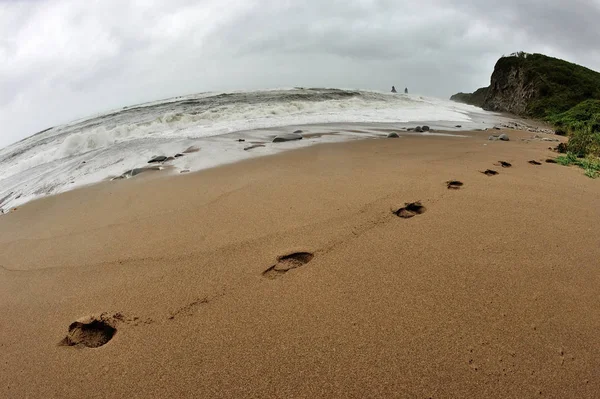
(534,85)
(476,98)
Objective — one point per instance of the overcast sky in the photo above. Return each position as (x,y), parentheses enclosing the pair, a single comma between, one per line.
(64,59)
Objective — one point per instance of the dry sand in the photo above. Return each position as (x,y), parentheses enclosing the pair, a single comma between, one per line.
(493,291)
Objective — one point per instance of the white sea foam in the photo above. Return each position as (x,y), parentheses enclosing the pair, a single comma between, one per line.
(92,149)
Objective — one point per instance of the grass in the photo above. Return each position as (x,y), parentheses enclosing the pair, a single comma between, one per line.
(590,164)
(582,123)
(578,117)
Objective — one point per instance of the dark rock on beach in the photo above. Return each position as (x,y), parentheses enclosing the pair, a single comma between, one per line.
(503,137)
(425,128)
(560,132)
(393,135)
(160,158)
(178,155)
(287,137)
(419,129)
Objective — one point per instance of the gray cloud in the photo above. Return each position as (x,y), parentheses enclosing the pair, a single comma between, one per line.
(64,59)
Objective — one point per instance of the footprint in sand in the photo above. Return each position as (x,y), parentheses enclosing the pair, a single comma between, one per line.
(489,172)
(92,331)
(97,330)
(535,162)
(410,209)
(454,184)
(503,164)
(286,263)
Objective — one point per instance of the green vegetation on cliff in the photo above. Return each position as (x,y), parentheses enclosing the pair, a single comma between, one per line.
(559,85)
(578,116)
(560,92)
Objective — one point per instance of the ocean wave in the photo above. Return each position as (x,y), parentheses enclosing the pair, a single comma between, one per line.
(53,158)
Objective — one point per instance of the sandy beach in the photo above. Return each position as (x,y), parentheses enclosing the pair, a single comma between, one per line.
(492,291)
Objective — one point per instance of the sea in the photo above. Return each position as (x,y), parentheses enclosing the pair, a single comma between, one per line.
(221,126)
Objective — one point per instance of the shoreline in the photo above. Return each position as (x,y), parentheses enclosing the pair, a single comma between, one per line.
(226,148)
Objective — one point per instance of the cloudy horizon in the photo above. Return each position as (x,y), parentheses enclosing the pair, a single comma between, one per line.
(65,59)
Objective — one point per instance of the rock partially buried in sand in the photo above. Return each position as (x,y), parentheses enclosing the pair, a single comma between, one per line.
(503,137)
(287,137)
(561,148)
(160,158)
(419,129)
(298,132)
(458,126)
(393,135)
(178,155)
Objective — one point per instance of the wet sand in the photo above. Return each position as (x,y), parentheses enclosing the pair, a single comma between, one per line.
(490,291)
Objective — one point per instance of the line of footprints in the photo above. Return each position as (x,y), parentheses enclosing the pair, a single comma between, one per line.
(96,331)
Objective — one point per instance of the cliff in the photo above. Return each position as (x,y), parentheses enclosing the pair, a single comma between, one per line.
(476,98)
(535,85)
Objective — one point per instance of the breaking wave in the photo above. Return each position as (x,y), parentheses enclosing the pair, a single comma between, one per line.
(124,138)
